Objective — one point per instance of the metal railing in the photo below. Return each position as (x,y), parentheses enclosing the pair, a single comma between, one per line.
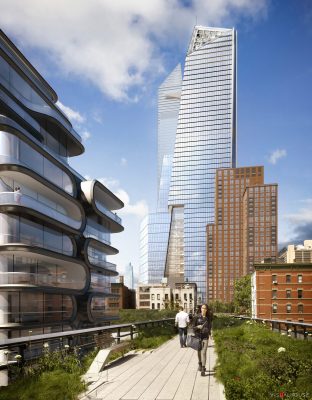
(299,328)
(29,347)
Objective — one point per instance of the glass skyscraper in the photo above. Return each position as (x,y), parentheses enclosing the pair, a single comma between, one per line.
(155,226)
(205,140)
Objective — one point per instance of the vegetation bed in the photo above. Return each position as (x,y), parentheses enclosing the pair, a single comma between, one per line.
(256,363)
(57,374)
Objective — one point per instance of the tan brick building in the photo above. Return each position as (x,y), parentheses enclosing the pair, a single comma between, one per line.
(245,228)
(282,292)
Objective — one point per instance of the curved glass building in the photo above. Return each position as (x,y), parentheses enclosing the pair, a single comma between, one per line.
(55,226)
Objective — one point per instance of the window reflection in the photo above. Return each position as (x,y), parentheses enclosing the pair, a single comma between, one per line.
(16,229)
(24,307)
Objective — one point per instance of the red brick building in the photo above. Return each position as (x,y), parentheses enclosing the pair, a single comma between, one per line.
(244,231)
(282,292)
(123,296)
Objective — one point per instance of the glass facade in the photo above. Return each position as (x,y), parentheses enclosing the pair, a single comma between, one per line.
(155,227)
(205,139)
(43,209)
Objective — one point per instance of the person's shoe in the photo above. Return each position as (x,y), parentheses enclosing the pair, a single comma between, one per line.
(200,366)
(203,371)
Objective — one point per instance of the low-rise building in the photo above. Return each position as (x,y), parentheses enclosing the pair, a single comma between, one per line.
(297,253)
(162,296)
(282,292)
(123,297)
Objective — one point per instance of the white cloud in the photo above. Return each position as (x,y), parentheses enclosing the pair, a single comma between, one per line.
(115,45)
(123,162)
(85,135)
(303,215)
(138,209)
(97,117)
(74,116)
(276,155)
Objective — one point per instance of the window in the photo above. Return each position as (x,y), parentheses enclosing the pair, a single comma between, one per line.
(300,308)
(158,306)
(153,306)
(152,296)
(177,296)
(274,307)
(166,296)
(288,294)
(300,293)
(158,297)
(288,278)
(185,296)
(288,308)
(274,279)
(299,278)
(274,294)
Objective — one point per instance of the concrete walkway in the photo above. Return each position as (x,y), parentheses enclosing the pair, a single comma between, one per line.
(167,373)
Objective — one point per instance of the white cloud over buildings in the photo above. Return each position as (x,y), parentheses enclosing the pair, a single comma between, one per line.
(115,45)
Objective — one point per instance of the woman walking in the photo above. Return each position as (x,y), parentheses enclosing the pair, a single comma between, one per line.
(202,327)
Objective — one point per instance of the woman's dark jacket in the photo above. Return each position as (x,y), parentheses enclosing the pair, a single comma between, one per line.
(205,332)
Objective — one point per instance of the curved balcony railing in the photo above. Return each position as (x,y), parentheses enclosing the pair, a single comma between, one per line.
(66,247)
(19,199)
(107,212)
(96,231)
(102,263)
(25,278)
(60,178)
(31,99)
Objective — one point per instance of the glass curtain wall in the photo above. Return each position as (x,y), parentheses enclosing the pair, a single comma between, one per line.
(205,139)
(155,227)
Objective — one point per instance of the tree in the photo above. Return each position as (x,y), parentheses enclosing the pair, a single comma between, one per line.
(242,295)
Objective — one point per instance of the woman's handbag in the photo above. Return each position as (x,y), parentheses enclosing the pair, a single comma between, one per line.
(194,342)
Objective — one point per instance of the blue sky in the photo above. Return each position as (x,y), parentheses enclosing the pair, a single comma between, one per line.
(106,59)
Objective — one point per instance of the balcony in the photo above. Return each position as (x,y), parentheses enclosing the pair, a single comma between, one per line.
(38,196)
(23,266)
(22,200)
(16,151)
(101,201)
(95,254)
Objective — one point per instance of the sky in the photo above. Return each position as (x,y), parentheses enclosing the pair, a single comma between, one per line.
(107,58)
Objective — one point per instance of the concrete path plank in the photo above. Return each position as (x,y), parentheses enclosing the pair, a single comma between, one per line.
(167,373)
(172,385)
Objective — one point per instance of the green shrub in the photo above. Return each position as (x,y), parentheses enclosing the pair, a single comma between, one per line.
(52,385)
(256,363)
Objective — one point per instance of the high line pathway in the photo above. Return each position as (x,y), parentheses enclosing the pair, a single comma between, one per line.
(167,373)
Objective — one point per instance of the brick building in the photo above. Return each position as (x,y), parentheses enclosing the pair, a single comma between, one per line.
(245,228)
(123,296)
(282,292)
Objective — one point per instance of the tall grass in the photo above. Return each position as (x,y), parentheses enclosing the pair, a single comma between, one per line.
(56,375)
(255,363)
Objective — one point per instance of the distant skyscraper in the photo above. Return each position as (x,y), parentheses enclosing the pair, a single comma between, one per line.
(155,226)
(205,141)
(129,276)
(234,232)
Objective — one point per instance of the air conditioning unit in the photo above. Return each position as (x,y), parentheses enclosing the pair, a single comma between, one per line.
(274,282)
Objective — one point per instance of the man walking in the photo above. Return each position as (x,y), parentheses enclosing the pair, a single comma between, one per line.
(181,321)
